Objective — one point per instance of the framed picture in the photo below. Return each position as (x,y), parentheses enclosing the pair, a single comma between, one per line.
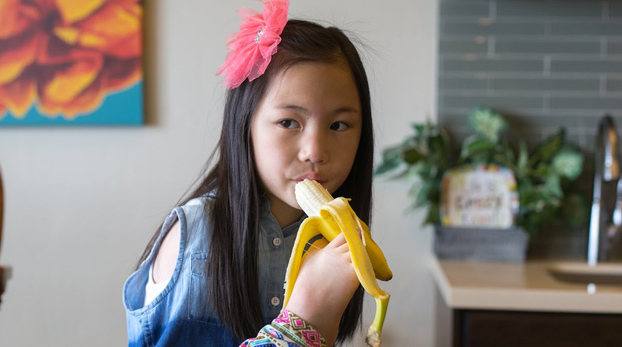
(71,62)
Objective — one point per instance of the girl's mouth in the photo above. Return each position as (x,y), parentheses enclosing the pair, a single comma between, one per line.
(311,176)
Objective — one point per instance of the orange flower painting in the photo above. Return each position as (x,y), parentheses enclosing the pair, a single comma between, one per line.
(71,61)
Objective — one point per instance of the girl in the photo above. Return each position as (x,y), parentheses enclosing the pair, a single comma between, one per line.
(297,107)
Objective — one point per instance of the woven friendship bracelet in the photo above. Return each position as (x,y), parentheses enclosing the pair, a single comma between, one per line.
(298,329)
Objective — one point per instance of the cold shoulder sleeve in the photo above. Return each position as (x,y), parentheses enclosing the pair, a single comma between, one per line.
(287,330)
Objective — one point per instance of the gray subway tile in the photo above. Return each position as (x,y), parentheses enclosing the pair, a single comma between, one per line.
(458,132)
(586,103)
(491,65)
(461,27)
(586,28)
(513,115)
(580,123)
(469,101)
(464,83)
(547,46)
(614,48)
(614,85)
(466,45)
(585,123)
(580,129)
(601,66)
(472,1)
(464,8)
(522,126)
(550,9)
(546,84)
(571,34)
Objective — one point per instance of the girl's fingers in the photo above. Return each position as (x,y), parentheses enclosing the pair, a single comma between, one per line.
(339,246)
(338,241)
(336,249)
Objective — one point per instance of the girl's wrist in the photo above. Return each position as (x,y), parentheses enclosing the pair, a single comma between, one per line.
(323,318)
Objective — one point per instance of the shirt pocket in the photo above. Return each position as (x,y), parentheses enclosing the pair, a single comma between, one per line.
(200,308)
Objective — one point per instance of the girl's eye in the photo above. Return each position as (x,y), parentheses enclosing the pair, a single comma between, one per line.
(288,123)
(339,126)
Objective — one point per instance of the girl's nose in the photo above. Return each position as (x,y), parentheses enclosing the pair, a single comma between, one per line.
(314,148)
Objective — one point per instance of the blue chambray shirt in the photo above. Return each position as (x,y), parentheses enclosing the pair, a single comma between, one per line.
(181,315)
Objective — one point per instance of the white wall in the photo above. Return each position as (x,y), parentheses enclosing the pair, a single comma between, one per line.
(81,203)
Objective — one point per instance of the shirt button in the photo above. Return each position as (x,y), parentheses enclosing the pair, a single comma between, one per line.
(277,242)
(275,301)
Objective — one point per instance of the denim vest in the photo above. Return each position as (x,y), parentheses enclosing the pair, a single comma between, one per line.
(181,315)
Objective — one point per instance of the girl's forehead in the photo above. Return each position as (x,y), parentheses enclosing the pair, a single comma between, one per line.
(339,62)
(311,78)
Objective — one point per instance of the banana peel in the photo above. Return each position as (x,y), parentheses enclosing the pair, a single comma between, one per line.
(329,217)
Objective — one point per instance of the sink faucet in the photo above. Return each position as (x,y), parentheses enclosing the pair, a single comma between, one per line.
(606,169)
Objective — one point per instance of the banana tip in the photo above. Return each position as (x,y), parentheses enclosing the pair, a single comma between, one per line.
(373,338)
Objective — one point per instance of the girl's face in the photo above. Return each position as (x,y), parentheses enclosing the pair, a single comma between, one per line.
(308,125)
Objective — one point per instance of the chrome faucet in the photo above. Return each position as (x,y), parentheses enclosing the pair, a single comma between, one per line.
(602,232)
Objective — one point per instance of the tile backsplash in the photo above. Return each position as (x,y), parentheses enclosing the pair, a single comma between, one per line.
(546,63)
(543,64)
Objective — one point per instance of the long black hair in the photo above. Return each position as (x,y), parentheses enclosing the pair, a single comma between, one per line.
(232,180)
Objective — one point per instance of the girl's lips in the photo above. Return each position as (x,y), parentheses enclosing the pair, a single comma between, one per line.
(313,177)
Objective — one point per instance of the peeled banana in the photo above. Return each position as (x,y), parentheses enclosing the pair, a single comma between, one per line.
(329,217)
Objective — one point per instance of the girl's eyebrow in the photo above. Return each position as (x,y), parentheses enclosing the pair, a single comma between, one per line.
(296,108)
(300,109)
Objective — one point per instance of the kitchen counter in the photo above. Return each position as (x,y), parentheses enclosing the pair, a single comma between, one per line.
(519,287)
(485,304)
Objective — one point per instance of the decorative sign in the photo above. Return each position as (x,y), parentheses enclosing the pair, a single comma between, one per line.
(481,195)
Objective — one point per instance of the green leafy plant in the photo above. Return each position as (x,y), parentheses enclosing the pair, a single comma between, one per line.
(543,175)
(423,158)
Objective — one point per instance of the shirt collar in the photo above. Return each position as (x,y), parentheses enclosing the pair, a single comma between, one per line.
(266,213)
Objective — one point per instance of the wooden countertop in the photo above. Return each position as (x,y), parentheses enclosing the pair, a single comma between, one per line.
(519,286)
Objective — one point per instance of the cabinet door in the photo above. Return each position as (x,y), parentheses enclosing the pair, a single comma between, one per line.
(506,328)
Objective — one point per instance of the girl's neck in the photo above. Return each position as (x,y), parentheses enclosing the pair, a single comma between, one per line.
(283,213)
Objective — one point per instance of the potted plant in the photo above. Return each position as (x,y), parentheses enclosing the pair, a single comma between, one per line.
(543,175)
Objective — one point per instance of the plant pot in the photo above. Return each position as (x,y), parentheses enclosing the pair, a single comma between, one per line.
(480,244)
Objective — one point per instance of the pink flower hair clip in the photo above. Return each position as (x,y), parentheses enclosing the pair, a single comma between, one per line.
(251,48)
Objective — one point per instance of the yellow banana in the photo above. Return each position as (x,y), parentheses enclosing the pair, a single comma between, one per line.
(328,217)
(311,197)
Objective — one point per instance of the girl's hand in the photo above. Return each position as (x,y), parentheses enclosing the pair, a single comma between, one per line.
(324,287)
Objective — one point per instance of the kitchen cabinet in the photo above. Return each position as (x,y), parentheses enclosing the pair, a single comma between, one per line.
(520,304)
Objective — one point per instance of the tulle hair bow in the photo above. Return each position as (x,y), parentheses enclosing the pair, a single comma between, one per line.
(251,48)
